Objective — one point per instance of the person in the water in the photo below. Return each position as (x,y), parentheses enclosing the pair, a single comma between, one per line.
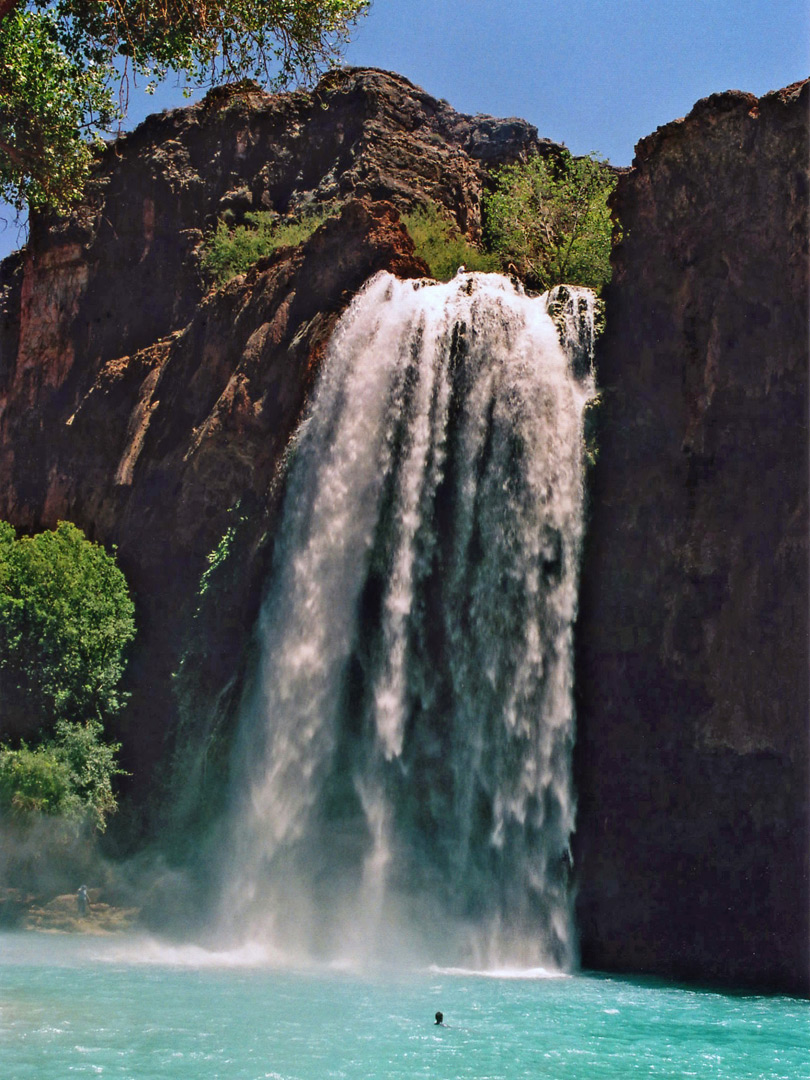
(440,1019)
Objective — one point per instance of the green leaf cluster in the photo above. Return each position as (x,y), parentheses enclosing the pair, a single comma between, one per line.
(34,781)
(53,103)
(229,251)
(66,617)
(69,777)
(550,218)
(65,66)
(442,245)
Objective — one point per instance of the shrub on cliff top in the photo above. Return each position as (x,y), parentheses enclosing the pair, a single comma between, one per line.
(442,245)
(550,218)
(230,251)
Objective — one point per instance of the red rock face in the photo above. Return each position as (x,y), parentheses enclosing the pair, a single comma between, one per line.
(360,134)
(152,451)
(146,411)
(692,758)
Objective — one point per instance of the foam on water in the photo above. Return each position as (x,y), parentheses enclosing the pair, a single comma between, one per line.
(500,973)
(158,952)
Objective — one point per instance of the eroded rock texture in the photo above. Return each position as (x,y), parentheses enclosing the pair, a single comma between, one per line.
(692,759)
(154,415)
(127,260)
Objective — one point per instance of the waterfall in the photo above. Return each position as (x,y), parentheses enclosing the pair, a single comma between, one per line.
(403,761)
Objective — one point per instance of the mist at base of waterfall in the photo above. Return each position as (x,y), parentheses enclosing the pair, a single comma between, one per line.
(136,1009)
(402,782)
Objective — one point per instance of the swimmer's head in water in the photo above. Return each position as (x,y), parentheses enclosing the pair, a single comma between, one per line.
(439,1018)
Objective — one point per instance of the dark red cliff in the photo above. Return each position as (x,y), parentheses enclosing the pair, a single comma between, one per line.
(154,413)
(692,753)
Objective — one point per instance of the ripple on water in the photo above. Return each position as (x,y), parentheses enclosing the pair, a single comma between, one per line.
(176,1022)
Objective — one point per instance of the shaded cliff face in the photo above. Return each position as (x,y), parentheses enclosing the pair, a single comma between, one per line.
(154,416)
(692,759)
(152,451)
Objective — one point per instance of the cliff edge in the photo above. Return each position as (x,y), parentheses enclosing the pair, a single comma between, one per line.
(155,414)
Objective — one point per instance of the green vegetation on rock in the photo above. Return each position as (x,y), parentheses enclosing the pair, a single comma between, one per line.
(550,218)
(65,66)
(442,245)
(229,251)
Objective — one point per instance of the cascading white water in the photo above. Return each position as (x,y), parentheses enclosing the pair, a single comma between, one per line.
(403,769)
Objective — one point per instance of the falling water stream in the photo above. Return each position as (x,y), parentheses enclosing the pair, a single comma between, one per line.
(402,774)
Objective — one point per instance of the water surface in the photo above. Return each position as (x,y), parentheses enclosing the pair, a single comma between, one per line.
(73,1006)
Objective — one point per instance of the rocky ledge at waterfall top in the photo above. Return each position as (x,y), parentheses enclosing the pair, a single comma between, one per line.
(124,268)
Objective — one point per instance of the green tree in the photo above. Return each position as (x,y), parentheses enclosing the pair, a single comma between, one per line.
(550,218)
(65,66)
(66,617)
(34,781)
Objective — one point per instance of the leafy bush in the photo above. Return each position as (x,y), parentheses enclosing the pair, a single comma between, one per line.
(69,777)
(442,245)
(550,218)
(92,765)
(66,617)
(231,251)
(34,780)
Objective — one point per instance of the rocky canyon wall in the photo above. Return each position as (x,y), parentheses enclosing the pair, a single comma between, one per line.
(153,413)
(692,754)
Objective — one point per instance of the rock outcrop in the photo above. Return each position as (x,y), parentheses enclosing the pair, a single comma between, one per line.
(123,271)
(692,756)
(153,413)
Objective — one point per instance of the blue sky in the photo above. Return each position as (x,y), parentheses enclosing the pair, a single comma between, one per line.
(596,75)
